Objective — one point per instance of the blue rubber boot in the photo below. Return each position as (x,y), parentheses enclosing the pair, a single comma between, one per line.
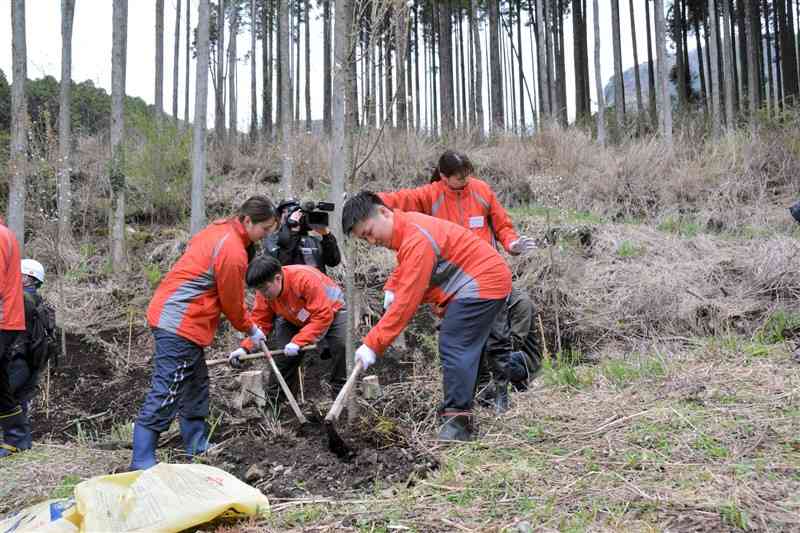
(195,436)
(145,441)
(14,434)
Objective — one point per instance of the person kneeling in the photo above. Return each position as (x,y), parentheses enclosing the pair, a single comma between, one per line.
(443,264)
(306,306)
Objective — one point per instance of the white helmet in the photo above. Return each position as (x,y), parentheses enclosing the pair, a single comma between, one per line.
(33,268)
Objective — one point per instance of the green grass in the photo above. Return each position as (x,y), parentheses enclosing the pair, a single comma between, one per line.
(555,215)
(623,373)
(682,226)
(629,249)
(778,327)
(66,487)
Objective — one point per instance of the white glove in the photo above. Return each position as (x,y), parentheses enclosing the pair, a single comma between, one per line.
(233,357)
(365,355)
(291,350)
(523,245)
(256,335)
(388,298)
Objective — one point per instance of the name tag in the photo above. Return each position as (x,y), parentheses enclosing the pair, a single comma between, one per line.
(302,315)
(475,222)
(307,251)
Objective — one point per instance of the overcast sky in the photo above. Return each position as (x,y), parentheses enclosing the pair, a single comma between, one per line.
(91,50)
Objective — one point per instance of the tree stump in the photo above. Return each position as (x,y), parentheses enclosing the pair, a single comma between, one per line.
(253,389)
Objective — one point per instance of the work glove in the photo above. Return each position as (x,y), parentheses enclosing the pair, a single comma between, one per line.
(388,298)
(233,358)
(365,355)
(291,350)
(257,336)
(523,245)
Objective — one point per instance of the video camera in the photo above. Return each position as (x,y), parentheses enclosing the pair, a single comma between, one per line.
(312,213)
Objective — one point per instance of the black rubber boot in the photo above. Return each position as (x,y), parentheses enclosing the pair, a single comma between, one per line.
(501,403)
(455,426)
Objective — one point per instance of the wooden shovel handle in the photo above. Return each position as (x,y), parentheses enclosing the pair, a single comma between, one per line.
(338,404)
(298,413)
(256,355)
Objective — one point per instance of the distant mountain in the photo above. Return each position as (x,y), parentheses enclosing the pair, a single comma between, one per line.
(629,79)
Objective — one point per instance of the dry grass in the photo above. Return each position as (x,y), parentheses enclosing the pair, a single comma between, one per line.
(50,471)
(704,440)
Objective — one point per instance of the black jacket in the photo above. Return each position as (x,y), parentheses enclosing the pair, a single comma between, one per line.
(299,248)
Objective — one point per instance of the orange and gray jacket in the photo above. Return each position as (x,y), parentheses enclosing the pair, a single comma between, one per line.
(437,262)
(12,306)
(309,300)
(206,281)
(474,207)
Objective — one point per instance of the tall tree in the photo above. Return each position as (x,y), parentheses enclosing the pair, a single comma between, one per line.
(388,75)
(188,61)
(476,43)
(598,78)
(308,65)
(680,67)
(344,53)
(401,43)
(417,93)
(159,89)
(326,67)
(788,57)
(18,156)
(651,78)
(716,92)
(519,67)
(544,80)
(176,59)
(581,100)
(198,216)
(446,66)
(754,96)
(253,83)
(664,99)
(266,69)
(284,45)
(119,259)
(637,77)
(498,112)
(219,85)
(64,125)
(700,61)
(770,57)
(619,83)
(233,118)
(727,69)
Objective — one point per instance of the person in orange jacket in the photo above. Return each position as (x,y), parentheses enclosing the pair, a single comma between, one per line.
(313,311)
(456,195)
(443,264)
(207,280)
(12,324)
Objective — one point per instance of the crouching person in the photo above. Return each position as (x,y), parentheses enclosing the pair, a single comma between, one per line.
(33,348)
(443,264)
(304,307)
(205,282)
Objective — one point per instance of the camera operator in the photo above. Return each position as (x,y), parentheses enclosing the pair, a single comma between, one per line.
(293,245)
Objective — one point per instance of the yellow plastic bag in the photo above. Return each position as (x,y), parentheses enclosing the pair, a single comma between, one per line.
(164,498)
(52,516)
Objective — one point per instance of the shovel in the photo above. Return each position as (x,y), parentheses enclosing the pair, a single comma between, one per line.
(335,443)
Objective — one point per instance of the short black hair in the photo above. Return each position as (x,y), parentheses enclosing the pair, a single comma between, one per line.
(259,208)
(263,269)
(360,207)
